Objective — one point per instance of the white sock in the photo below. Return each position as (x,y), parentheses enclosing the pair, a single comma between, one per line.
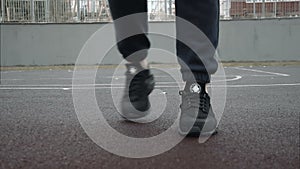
(144,64)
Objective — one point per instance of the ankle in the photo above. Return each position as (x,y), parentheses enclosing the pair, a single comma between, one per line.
(193,87)
(144,64)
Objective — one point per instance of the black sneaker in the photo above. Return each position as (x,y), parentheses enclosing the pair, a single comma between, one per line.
(196,104)
(139,84)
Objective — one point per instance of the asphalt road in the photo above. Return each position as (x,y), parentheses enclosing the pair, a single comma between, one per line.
(259,127)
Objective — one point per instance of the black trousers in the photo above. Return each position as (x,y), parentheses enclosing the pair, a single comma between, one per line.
(204,14)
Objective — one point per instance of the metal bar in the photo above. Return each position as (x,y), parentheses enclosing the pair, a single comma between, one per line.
(93,9)
(32,10)
(170,7)
(166,7)
(47,10)
(263,10)
(254,8)
(2,10)
(78,9)
(275,9)
(8,11)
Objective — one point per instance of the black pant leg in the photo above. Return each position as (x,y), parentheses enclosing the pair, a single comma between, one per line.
(125,24)
(204,14)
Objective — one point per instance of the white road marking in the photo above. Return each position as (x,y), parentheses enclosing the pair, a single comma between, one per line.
(234,79)
(121,87)
(261,71)
(68,87)
(262,75)
(264,85)
(71,78)
(81,85)
(108,84)
(31,88)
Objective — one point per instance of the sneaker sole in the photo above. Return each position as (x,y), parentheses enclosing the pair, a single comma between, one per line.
(196,132)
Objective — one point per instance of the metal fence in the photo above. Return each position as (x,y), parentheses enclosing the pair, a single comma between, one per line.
(264,8)
(61,11)
(56,11)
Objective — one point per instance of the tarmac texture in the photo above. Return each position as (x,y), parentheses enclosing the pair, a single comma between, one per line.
(259,127)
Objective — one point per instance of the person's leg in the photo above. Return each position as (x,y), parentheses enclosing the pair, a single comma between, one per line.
(131,26)
(204,14)
(137,24)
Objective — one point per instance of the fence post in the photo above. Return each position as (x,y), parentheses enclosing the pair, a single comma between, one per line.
(2,10)
(254,9)
(166,7)
(227,10)
(299,9)
(275,8)
(263,10)
(170,7)
(78,10)
(93,9)
(47,11)
(32,10)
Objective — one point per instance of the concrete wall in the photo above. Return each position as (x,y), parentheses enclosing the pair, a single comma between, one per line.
(262,40)
(52,44)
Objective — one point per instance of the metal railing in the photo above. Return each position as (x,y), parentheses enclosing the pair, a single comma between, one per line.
(62,11)
(57,11)
(241,9)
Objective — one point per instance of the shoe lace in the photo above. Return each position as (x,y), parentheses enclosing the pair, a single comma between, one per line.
(204,102)
(137,87)
(195,100)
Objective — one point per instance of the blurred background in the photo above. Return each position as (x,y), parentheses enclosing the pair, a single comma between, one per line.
(61,11)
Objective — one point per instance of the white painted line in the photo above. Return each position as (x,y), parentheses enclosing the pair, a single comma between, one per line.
(62,85)
(31,88)
(246,85)
(162,86)
(234,79)
(263,85)
(12,79)
(261,71)
(17,71)
(108,84)
(71,78)
(262,75)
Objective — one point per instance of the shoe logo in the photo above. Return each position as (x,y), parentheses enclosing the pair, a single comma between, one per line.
(132,70)
(195,88)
